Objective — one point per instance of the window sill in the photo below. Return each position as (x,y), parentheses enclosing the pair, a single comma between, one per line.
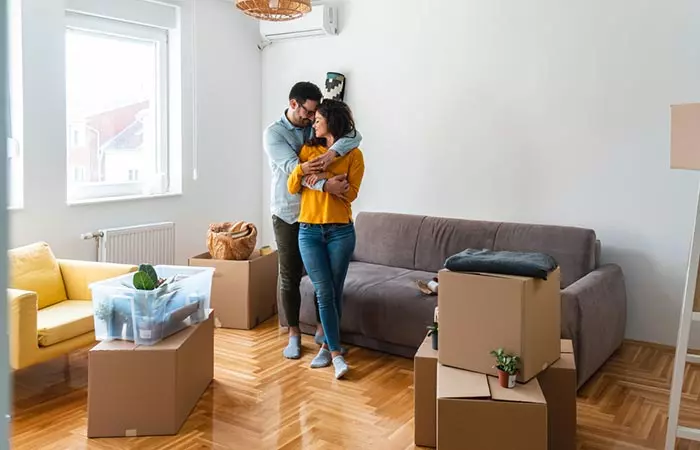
(123,198)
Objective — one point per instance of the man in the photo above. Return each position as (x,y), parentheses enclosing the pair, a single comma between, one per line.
(282,141)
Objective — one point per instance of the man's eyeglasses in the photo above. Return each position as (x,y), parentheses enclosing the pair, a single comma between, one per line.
(308,112)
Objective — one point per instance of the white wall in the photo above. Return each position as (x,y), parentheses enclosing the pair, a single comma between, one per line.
(228,85)
(541,111)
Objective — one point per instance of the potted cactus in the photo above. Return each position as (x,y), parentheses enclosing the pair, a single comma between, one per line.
(507,366)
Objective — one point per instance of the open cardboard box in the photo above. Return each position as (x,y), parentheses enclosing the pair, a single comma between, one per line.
(243,293)
(474,411)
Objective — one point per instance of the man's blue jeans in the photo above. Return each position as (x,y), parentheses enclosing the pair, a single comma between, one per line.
(326,251)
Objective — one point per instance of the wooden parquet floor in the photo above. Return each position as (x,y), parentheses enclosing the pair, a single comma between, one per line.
(261,401)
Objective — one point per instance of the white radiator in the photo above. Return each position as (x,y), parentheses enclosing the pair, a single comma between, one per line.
(152,243)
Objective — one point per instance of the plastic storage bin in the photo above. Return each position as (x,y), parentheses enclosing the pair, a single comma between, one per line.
(147,317)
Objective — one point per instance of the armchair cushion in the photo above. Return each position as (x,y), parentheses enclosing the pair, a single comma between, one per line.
(22,326)
(34,268)
(63,321)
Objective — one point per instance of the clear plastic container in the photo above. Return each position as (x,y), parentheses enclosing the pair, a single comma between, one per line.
(147,317)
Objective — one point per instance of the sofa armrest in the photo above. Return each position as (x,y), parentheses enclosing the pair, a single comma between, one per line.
(78,275)
(22,314)
(594,316)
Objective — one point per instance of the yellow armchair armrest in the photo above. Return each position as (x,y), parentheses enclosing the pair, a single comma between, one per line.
(78,275)
(22,308)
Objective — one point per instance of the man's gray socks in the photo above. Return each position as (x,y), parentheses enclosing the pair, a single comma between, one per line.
(321,339)
(293,348)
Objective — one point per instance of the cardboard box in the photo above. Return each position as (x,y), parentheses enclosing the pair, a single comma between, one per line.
(424,393)
(559,384)
(483,312)
(136,390)
(473,411)
(685,136)
(243,293)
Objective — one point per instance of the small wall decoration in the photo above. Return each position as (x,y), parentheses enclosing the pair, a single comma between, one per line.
(335,86)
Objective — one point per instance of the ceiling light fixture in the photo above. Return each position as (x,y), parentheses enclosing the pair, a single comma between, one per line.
(274,10)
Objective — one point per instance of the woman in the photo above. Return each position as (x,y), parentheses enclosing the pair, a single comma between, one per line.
(326,230)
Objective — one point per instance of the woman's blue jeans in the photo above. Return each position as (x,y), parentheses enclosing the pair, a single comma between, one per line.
(326,251)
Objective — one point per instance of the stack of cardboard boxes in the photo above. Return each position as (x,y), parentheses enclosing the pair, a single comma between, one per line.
(459,403)
(136,390)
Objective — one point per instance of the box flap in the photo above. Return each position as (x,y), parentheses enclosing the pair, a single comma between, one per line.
(426,349)
(206,260)
(485,274)
(567,346)
(115,345)
(457,383)
(524,393)
(566,362)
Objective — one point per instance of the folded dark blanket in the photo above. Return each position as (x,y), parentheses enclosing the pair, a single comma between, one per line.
(527,264)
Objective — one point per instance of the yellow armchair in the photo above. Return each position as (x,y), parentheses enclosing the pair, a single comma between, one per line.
(49,303)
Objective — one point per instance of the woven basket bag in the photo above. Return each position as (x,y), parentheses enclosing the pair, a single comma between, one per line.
(233,241)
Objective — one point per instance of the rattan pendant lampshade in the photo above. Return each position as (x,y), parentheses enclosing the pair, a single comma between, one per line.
(274,10)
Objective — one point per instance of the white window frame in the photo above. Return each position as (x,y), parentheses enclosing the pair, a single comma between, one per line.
(90,192)
(15,159)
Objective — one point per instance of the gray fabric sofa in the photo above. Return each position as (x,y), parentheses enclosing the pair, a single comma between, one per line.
(383,309)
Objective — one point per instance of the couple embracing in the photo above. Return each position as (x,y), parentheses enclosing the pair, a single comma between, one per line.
(317,170)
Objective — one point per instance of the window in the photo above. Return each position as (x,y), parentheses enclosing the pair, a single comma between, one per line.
(117,109)
(14,141)
(80,174)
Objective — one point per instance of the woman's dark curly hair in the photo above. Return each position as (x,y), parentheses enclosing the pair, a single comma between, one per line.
(339,119)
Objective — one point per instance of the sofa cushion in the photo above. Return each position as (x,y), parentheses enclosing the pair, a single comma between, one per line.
(361,276)
(387,239)
(573,248)
(393,311)
(440,238)
(64,321)
(380,302)
(34,268)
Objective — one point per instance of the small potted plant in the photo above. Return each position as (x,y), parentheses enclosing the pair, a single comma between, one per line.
(433,331)
(507,366)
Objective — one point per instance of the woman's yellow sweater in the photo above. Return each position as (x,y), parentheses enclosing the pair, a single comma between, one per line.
(321,207)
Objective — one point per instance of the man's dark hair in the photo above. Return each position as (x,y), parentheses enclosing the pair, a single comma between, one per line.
(339,118)
(303,91)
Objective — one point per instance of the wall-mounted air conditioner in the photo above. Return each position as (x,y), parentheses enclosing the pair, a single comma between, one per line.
(321,21)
